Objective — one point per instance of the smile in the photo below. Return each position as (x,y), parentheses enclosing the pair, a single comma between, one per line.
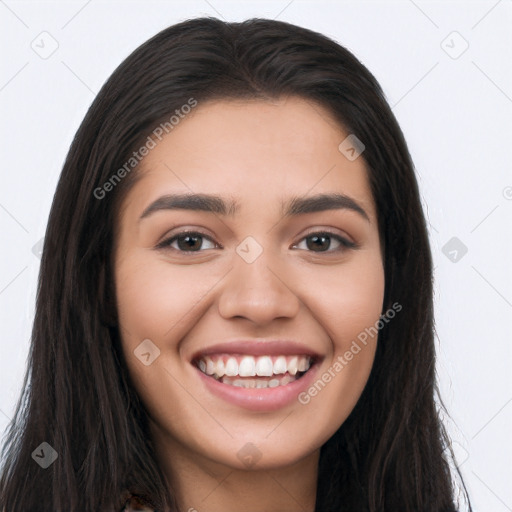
(247,371)
(256,374)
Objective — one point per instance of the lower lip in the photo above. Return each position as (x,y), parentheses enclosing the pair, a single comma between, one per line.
(262,399)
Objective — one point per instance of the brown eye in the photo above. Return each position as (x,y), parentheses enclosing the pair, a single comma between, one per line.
(322,241)
(188,241)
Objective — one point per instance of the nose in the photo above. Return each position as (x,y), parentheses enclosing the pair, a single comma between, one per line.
(259,291)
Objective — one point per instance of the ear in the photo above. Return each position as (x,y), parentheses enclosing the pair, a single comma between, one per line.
(108,310)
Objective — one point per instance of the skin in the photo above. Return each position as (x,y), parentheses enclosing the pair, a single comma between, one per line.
(259,153)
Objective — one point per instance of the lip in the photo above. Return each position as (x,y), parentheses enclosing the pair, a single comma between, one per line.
(258,348)
(259,399)
(262,399)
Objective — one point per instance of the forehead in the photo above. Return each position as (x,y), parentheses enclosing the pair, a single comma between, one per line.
(255,151)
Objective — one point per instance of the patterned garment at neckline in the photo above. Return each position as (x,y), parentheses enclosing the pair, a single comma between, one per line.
(133,504)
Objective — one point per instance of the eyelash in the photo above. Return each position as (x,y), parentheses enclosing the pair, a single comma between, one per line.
(344,243)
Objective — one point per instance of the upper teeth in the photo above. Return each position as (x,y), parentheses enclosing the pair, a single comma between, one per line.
(250,366)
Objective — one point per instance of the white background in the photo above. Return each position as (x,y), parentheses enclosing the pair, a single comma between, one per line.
(456,114)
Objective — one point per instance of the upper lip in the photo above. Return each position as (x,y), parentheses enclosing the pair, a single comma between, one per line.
(253,347)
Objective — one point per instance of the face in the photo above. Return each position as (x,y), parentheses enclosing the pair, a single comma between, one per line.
(238,315)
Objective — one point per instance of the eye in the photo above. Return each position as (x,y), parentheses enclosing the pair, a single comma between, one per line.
(186,241)
(321,242)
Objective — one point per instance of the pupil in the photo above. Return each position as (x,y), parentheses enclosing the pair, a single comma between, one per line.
(317,238)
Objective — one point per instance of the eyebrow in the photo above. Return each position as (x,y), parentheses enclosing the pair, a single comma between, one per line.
(229,207)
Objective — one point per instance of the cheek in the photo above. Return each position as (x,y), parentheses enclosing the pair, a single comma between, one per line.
(151,300)
(349,300)
(155,303)
(347,304)
(160,302)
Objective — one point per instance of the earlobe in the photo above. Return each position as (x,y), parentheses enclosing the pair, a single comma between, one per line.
(106,296)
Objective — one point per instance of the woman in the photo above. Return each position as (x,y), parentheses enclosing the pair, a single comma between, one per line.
(235,299)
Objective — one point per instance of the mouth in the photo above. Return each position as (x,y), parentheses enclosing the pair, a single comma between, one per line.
(254,372)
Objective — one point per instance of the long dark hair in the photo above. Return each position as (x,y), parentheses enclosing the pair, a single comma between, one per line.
(389,455)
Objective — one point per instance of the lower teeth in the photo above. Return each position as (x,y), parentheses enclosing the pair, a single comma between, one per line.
(257,383)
